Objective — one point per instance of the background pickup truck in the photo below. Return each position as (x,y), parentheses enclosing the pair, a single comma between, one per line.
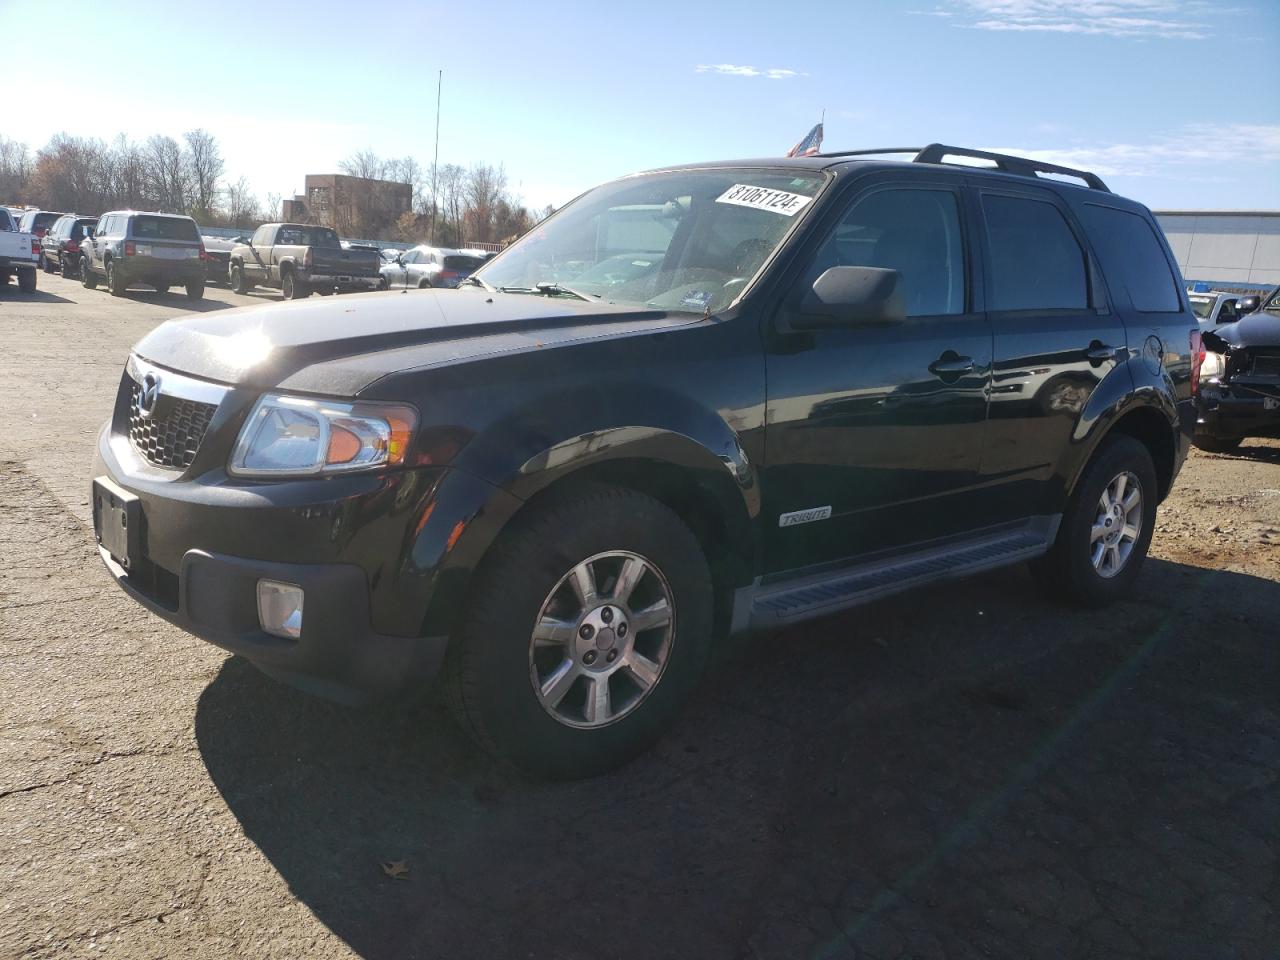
(19,253)
(299,258)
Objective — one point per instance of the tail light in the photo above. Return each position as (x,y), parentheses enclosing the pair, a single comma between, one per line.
(35,246)
(308,259)
(204,254)
(129,249)
(449,274)
(73,246)
(1197,361)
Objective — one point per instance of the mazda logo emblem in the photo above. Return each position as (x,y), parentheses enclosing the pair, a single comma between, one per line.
(148,395)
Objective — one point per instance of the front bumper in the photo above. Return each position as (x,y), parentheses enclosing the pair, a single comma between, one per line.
(369,551)
(1228,411)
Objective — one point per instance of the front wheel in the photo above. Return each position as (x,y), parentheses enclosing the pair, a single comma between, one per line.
(1106,529)
(586,632)
(1218,444)
(238,284)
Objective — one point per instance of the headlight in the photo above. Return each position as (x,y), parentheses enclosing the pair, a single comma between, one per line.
(292,436)
(1213,366)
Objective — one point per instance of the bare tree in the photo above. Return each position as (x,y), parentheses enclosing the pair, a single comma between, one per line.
(364,163)
(241,205)
(168,177)
(130,184)
(204,170)
(15,170)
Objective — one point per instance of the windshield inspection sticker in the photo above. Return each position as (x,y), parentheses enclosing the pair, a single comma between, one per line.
(762,198)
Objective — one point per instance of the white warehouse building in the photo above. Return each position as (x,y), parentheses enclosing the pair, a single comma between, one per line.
(1236,248)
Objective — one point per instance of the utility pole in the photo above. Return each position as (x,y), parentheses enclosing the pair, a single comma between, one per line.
(435,164)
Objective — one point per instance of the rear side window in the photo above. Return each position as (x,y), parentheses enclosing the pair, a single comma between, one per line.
(1036,261)
(916,232)
(462,263)
(1132,255)
(164,228)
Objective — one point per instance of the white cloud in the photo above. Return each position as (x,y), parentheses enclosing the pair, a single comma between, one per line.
(1226,146)
(1131,19)
(735,70)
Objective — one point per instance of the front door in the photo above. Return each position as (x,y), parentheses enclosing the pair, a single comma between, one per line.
(874,435)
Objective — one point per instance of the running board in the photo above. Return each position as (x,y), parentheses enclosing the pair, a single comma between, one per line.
(782,604)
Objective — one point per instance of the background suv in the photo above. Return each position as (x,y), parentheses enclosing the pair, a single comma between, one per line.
(159,249)
(61,245)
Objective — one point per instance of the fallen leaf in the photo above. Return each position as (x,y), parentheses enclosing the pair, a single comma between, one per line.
(396,869)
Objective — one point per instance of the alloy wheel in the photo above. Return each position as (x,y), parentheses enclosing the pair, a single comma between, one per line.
(602,639)
(1117,524)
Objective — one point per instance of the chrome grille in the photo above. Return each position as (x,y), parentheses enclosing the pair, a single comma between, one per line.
(171,436)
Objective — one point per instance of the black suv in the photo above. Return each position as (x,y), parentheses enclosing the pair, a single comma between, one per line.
(694,402)
(159,249)
(61,245)
(1238,391)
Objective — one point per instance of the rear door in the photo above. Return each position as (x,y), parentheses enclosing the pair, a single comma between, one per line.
(1057,338)
(874,435)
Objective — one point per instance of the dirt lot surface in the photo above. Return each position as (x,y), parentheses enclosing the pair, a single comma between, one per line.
(965,772)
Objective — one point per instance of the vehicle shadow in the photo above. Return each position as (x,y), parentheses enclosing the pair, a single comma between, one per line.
(177,299)
(39,296)
(967,765)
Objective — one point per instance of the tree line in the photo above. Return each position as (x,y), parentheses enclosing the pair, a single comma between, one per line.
(451,205)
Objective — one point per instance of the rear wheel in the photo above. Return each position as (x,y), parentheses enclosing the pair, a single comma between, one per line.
(424,283)
(586,632)
(195,290)
(87,276)
(115,282)
(68,267)
(1106,529)
(27,280)
(1218,444)
(45,264)
(293,289)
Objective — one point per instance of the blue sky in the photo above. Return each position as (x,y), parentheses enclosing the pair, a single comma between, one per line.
(1175,102)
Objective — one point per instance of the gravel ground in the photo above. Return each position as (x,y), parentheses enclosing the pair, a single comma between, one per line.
(969,771)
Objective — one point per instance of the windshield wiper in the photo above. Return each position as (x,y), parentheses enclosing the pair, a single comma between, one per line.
(479,283)
(548,289)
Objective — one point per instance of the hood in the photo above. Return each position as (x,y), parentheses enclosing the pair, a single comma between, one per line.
(338,345)
(1260,329)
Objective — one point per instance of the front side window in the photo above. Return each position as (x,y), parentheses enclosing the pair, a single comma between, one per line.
(1133,256)
(917,233)
(410,256)
(1036,261)
(686,241)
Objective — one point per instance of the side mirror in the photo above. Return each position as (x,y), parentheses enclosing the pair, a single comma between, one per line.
(852,297)
(1247,305)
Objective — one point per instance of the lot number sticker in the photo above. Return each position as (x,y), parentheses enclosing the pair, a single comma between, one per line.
(762,198)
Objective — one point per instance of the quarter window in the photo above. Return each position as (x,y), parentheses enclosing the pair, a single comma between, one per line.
(1036,261)
(1132,255)
(917,233)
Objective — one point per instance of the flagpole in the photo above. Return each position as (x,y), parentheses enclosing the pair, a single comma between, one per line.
(435,163)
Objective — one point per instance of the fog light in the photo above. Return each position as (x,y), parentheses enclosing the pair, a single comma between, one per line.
(280,608)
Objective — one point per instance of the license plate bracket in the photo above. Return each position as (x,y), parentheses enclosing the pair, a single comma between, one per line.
(117,522)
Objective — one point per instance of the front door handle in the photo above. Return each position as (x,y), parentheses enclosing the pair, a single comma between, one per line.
(951,365)
(1099,352)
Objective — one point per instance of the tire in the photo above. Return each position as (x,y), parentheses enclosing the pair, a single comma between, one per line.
(1068,571)
(87,276)
(424,284)
(490,671)
(68,271)
(115,283)
(383,283)
(1218,444)
(238,285)
(195,290)
(27,280)
(292,289)
(45,265)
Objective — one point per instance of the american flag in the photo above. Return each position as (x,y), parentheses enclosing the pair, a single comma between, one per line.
(810,145)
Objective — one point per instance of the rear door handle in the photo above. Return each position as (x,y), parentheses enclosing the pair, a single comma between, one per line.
(1099,352)
(950,365)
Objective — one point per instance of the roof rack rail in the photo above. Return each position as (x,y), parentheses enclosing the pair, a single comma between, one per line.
(867,153)
(1020,166)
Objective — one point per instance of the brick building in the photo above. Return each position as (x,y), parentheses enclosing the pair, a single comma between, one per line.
(354,206)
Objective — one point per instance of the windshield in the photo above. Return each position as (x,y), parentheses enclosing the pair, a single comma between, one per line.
(683,241)
(164,228)
(1203,306)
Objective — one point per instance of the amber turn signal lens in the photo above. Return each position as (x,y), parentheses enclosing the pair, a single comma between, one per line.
(343,445)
